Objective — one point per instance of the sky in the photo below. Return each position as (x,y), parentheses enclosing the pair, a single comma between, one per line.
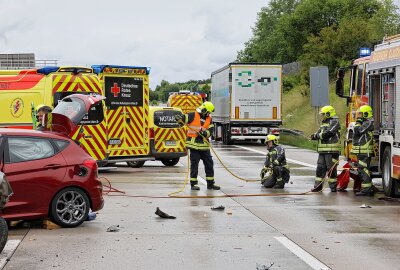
(179,39)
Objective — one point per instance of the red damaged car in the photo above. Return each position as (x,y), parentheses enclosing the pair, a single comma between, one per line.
(51,176)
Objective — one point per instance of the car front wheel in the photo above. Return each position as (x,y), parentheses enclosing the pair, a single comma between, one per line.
(70,207)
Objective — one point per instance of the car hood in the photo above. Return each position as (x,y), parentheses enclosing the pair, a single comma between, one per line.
(70,111)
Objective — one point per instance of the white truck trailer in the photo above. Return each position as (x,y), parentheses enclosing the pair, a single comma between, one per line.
(248,101)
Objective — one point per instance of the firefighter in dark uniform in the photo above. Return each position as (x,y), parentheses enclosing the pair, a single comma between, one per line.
(276,164)
(363,144)
(328,136)
(200,128)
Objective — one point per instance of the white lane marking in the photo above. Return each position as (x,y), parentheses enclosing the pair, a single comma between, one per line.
(288,159)
(8,251)
(302,254)
(202,180)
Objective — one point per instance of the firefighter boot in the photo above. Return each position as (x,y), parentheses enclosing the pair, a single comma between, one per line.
(365,192)
(317,186)
(194,185)
(210,185)
(280,184)
(332,186)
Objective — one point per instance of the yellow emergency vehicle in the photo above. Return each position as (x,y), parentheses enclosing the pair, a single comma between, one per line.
(185,100)
(117,129)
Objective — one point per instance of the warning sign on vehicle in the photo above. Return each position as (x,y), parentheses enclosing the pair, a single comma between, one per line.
(122,91)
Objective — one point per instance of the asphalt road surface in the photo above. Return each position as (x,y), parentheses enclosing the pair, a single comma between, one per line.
(318,231)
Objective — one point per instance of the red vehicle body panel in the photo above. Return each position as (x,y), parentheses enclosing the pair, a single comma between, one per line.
(36,182)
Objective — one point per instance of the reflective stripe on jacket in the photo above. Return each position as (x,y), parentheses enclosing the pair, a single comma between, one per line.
(194,140)
(329,136)
(363,138)
(276,156)
(196,126)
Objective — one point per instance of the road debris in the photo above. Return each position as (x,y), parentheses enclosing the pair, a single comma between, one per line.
(365,206)
(263,267)
(218,208)
(161,214)
(113,228)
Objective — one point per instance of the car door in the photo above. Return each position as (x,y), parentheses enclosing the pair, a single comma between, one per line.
(35,171)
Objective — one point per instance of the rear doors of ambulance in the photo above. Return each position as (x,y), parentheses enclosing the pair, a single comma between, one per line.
(127,101)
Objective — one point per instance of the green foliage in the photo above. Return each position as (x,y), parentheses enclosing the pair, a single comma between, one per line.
(319,32)
(289,82)
(162,91)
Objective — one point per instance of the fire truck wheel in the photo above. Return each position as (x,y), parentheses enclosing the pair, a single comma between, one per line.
(170,162)
(3,233)
(387,180)
(136,164)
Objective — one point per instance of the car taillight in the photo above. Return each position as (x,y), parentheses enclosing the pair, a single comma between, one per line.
(151,133)
(90,164)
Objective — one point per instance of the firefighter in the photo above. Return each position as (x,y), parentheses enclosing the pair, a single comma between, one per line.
(328,136)
(276,164)
(363,144)
(200,128)
(42,111)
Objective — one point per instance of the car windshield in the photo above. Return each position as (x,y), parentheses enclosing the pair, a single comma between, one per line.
(73,108)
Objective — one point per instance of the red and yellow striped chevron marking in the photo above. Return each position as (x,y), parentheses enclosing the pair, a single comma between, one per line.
(76,83)
(94,139)
(169,134)
(187,103)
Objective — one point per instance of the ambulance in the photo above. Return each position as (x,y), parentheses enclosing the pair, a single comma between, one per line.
(186,100)
(167,138)
(116,129)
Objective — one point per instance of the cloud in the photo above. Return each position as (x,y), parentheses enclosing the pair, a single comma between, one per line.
(180,40)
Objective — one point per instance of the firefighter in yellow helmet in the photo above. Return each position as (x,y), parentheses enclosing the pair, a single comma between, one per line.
(276,164)
(200,128)
(328,136)
(43,113)
(363,142)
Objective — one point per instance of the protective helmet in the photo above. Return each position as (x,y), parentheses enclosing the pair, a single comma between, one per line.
(327,112)
(272,138)
(42,107)
(366,111)
(207,107)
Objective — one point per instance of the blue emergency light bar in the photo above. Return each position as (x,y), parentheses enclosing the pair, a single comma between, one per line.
(99,68)
(47,70)
(365,51)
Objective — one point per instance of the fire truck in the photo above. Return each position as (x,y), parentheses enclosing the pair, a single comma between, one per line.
(115,130)
(382,91)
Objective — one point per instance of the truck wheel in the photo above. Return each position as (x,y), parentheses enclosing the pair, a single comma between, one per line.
(136,164)
(170,162)
(3,233)
(226,136)
(387,180)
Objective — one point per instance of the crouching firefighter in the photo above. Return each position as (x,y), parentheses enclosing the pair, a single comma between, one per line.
(200,128)
(328,136)
(276,164)
(363,143)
